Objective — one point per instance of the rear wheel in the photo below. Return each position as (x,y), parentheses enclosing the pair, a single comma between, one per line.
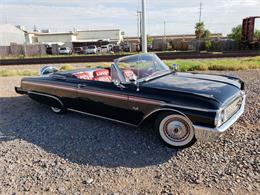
(57,110)
(175,130)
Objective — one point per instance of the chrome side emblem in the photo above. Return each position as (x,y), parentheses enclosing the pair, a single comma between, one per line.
(135,108)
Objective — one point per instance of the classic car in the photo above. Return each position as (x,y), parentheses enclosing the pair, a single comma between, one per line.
(183,106)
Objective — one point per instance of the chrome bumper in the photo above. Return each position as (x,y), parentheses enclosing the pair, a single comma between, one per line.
(209,134)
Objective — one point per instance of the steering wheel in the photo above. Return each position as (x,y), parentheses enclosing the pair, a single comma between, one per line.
(148,72)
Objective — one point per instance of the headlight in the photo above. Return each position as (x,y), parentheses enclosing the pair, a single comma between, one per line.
(220,118)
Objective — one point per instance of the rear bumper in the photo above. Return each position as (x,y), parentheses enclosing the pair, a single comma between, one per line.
(20,90)
(210,134)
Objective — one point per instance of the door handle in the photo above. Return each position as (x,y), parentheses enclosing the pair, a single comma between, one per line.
(81,85)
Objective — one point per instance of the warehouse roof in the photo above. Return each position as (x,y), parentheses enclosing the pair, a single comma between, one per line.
(8,28)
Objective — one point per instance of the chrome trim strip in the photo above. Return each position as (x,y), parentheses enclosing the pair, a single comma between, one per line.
(232,98)
(100,93)
(47,95)
(144,100)
(227,124)
(86,113)
(191,108)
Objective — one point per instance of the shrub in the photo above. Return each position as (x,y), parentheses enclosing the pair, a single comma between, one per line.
(66,67)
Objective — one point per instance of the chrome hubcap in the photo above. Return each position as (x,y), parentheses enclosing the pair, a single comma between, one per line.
(176,130)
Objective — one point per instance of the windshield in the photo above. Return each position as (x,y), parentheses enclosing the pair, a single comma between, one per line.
(142,67)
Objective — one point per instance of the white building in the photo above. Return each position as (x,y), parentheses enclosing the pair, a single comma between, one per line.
(78,38)
(112,36)
(10,34)
(52,38)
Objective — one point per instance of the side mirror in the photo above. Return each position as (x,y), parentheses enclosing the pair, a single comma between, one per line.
(175,67)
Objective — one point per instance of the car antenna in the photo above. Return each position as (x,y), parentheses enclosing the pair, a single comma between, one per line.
(138,75)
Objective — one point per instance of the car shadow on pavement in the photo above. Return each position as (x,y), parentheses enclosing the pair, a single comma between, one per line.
(81,139)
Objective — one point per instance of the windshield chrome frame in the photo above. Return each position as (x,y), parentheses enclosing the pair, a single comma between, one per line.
(122,77)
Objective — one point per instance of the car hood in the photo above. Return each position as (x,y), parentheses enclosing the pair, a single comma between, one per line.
(220,88)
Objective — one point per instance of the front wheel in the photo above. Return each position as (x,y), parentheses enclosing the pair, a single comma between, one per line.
(175,130)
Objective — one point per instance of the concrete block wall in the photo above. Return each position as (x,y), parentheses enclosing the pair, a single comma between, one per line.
(17,50)
(32,50)
(4,51)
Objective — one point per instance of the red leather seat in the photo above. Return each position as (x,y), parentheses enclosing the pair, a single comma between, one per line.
(129,74)
(101,72)
(82,75)
(103,78)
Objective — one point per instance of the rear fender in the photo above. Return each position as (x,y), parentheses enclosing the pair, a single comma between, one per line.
(46,99)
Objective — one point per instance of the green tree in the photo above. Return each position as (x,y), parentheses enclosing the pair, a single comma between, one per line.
(257,35)
(199,29)
(236,33)
(149,39)
(207,39)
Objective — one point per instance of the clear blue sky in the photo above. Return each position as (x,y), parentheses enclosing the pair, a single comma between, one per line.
(181,15)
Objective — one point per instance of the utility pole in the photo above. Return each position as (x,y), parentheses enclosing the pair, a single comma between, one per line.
(144,33)
(165,39)
(200,11)
(200,22)
(164,28)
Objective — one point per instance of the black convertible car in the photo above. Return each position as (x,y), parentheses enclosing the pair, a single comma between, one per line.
(184,106)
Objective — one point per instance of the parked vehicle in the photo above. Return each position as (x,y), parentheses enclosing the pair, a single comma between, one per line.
(49,50)
(92,49)
(110,47)
(126,48)
(78,50)
(65,51)
(116,48)
(183,106)
(104,49)
(149,47)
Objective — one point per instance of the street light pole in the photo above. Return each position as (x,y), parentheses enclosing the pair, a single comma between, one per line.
(144,33)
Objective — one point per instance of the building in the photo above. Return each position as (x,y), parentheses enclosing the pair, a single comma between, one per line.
(64,38)
(10,34)
(77,38)
(91,37)
(161,42)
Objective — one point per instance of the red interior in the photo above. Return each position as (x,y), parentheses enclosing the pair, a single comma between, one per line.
(128,74)
(96,75)
(105,78)
(102,75)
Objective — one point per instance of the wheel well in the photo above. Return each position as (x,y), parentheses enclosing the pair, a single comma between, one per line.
(153,115)
(47,99)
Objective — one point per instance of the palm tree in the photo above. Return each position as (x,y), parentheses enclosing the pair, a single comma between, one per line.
(199,29)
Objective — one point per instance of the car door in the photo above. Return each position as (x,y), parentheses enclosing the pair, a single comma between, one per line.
(141,102)
(104,99)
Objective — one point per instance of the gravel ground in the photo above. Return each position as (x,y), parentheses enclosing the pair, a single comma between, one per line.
(41,152)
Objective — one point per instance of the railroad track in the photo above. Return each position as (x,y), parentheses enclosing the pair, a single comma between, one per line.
(109,58)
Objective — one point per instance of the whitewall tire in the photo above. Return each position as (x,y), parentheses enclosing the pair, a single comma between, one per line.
(175,130)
